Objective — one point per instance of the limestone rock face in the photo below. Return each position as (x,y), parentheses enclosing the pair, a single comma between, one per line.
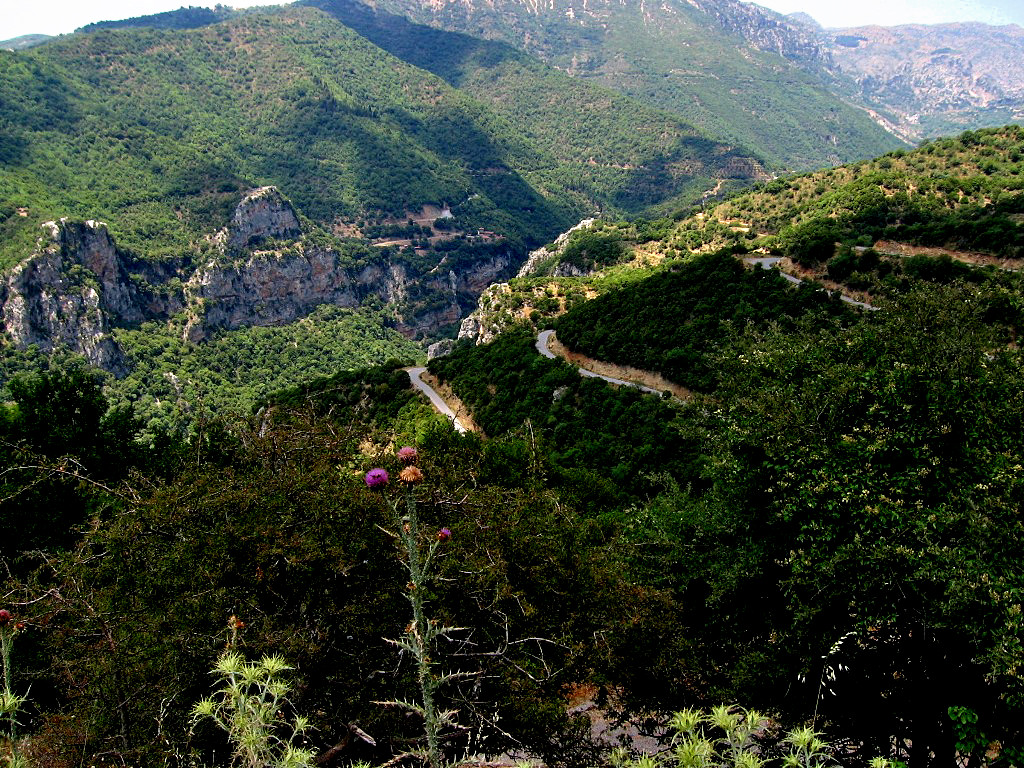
(484,324)
(537,257)
(75,288)
(78,286)
(262,214)
(441,348)
(271,289)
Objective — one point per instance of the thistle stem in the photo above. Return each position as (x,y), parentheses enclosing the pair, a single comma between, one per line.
(421,633)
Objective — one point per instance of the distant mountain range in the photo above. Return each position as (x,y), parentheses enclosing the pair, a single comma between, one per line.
(696,58)
(736,71)
(917,81)
(938,79)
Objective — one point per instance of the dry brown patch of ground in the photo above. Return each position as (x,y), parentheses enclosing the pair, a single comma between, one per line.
(893,248)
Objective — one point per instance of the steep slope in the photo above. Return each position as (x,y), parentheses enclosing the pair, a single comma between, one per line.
(603,139)
(951,210)
(936,79)
(965,193)
(681,57)
(154,131)
(160,132)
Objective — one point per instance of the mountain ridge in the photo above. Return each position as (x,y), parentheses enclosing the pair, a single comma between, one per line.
(680,57)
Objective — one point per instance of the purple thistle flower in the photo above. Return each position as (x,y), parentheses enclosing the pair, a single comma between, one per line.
(376,478)
(444,534)
(407,454)
(5,617)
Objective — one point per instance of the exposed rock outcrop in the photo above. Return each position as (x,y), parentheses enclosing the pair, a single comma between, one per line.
(78,286)
(933,76)
(274,289)
(263,214)
(483,325)
(768,31)
(539,256)
(441,348)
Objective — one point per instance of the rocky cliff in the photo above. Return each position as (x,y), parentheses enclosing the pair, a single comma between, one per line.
(76,288)
(769,31)
(78,285)
(263,214)
(936,78)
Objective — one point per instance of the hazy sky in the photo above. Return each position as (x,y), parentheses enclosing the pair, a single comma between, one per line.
(831,13)
(54,17)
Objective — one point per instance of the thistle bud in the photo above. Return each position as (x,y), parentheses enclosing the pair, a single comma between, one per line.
(411,475)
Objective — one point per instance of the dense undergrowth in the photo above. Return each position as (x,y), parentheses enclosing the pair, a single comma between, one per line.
(962,193)
(832,536)
(672,321)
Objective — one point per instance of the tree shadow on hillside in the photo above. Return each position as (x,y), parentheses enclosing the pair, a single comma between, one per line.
(449,55)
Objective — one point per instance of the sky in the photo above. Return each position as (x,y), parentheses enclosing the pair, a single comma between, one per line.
(830,13)
(55,17)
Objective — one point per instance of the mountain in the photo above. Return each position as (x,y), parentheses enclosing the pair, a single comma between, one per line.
(937,79)
(22,42)
(154,130)
(964,193)
(136,159)
(692,59)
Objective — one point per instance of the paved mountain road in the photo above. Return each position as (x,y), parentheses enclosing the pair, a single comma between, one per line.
(770,262)
(543,347)
(543,341)
(415,376)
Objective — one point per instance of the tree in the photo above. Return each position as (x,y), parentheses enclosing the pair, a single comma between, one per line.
(865,508)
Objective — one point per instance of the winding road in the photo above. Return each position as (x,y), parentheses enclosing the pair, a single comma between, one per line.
(543,342)
(543,347)
(771,262)
(416,377)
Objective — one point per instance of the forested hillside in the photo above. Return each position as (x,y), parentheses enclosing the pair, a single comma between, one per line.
(679,57)
(154,132)
(159,126)
(950,210)
(963,193)
(672,321)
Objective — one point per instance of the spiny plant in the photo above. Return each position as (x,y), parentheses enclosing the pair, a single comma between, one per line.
(731,737)
(422,633)
(10,702)
(249,706)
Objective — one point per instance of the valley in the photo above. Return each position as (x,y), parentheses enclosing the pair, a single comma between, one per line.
(456,374)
